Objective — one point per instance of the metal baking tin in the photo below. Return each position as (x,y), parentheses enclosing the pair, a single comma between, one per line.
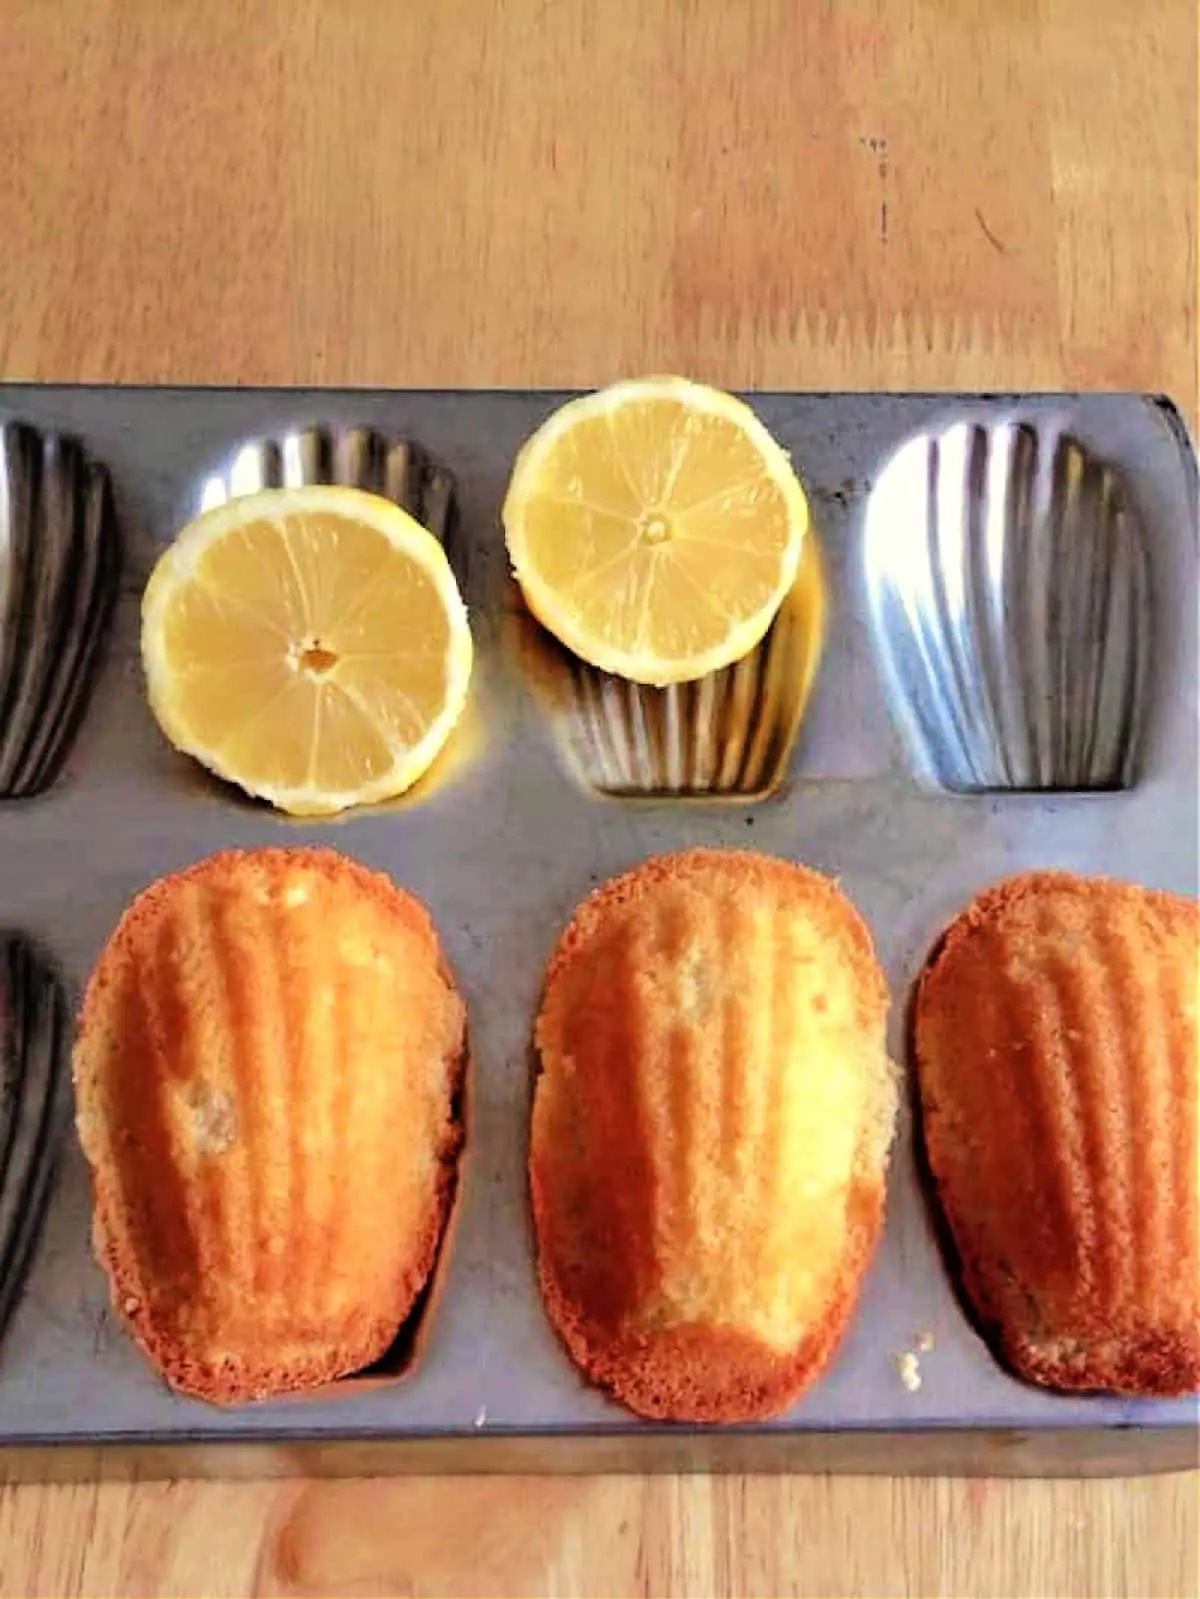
(990,664)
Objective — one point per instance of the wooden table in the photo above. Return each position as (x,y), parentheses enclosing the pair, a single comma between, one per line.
(877,192)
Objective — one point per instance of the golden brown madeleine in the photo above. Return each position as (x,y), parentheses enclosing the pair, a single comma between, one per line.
(267,1074)
(1055,1034)
(710,1133)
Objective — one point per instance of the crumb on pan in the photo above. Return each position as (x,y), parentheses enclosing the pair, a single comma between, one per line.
(908,1365)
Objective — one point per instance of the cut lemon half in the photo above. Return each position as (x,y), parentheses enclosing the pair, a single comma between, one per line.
(309,645)
(654,527)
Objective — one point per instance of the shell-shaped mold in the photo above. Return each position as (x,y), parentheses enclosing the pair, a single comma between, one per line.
(33,1022)
(1009,597)
(356,457)
(1056,1049)
(268,1081)
(710,1132)
(729,735)
(59,573)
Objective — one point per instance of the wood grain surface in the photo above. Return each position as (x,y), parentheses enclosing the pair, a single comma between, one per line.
(895,193)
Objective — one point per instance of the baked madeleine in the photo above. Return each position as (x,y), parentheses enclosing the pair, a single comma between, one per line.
(710,1132)
(268,1071)
(1055,1036)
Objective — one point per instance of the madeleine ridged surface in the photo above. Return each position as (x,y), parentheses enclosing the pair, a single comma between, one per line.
(1056,1045)
(710,1132)
(268,1071)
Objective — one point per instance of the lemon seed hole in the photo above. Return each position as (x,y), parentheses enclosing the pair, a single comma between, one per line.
(654,529)
(317,661)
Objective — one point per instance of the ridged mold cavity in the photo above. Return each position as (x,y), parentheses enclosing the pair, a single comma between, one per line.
(32,1109)
(60,565)
(1006,572)
(730,735)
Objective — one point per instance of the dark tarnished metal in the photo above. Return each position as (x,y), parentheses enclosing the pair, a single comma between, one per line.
(59,573)
(32,1108)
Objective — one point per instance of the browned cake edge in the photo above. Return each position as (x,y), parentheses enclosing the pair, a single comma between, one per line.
(1136,1361)
(242,1382)
(714,1375)
(695,1373)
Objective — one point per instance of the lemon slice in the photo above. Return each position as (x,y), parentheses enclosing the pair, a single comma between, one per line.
(309,645)
(654,528)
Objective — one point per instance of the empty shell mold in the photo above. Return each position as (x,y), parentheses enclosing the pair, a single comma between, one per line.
(59,571)
(729,735)
(360,458)
(33,1022)
(1009,597)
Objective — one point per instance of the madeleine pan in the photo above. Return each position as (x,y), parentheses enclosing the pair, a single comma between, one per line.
(989,663)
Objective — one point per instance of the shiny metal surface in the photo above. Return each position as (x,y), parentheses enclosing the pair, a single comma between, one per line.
(357,457)
(1006,570)
(59,569)
(504,840)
